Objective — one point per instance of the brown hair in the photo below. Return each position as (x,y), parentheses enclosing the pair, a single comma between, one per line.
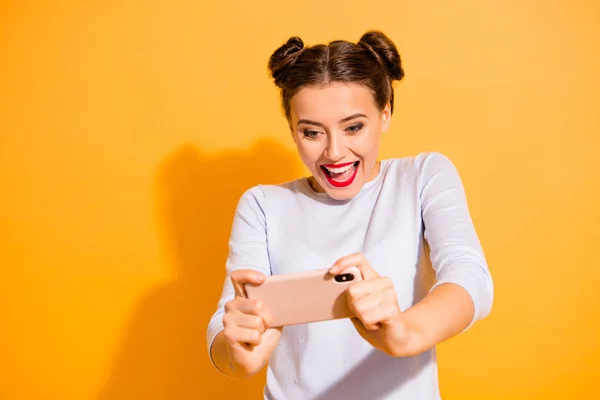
(373,61)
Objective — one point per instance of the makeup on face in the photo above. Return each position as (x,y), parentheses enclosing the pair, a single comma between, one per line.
(337,131)
(340,175)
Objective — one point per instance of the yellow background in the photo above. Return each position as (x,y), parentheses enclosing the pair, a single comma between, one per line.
(129,130)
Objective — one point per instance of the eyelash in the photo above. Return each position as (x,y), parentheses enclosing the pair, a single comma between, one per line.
(307,132)
(351,129)
(357,127)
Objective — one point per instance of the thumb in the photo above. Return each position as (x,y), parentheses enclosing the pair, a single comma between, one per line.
(358,260)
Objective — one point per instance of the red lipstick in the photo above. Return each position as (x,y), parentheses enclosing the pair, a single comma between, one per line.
(340,179)
(338,165)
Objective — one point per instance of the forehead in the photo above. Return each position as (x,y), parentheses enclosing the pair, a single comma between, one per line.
(332,102)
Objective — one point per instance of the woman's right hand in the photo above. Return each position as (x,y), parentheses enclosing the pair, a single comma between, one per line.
(249,339)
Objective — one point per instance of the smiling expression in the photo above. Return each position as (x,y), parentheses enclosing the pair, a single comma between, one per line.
(337,130)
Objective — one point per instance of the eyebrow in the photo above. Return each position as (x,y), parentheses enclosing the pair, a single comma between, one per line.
(351,117)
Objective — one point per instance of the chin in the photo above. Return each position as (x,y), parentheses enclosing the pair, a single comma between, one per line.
(341,190)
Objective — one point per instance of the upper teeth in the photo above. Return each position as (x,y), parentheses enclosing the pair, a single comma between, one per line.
(341,169)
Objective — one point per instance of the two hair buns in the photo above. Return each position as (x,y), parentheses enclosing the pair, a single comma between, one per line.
(375,43)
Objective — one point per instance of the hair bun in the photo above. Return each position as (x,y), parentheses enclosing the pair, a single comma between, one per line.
(284,57)
(385,51)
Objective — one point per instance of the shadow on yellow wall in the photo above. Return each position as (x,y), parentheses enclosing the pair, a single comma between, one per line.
(163,352)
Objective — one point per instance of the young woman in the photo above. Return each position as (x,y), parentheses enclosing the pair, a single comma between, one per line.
(404,222)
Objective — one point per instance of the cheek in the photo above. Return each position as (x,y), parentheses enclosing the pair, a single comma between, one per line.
(368,145)
(308,152)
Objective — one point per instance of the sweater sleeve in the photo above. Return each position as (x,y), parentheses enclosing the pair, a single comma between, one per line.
(455,250)
(247,250)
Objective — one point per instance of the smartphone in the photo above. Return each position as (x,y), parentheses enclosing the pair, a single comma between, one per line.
(303,297)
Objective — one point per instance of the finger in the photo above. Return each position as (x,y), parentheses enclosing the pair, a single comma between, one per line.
(364,288)
(364,332)
(363,305)
(377,309)
(354,260)
(367,309)
(240,277)
(241,336)
(365,326)
(251,307)
(372,319)
(244,321)
(264,312)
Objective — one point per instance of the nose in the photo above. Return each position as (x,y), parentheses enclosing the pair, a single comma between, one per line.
(335,147)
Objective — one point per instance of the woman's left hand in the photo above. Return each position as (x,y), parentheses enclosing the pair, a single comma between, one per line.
(379,319)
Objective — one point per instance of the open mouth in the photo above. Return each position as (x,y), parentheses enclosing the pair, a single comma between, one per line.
(340,175)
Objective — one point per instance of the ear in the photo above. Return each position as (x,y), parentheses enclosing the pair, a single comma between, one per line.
(386,118)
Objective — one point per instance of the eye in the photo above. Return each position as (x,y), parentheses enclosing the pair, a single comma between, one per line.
(354,128)
(310,134)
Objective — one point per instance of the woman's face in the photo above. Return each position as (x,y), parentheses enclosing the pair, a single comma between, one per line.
(337,130)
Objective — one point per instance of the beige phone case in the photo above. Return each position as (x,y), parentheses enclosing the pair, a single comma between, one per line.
(304,297)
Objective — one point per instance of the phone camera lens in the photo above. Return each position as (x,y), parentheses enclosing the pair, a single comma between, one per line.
(344,278)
